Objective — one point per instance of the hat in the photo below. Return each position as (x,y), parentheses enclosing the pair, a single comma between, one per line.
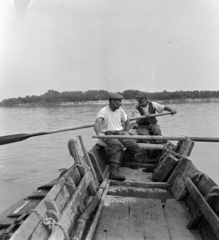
(141,95)
(115,96)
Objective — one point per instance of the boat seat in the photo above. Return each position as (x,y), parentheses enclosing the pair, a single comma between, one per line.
(101,143)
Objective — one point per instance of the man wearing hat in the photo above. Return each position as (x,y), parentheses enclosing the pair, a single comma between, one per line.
(112,120)
(148,126)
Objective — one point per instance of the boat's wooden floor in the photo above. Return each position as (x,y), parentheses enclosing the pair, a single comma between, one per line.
(136,175)
(147,213)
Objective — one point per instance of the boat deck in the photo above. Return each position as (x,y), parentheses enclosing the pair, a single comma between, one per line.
(144,212)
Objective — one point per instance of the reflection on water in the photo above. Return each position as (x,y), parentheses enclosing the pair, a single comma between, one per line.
(37,160)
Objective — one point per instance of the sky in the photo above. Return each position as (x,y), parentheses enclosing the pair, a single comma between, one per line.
(115,45)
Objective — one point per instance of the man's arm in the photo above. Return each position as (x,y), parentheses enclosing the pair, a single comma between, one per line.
(169,109)
(136,113)
(97,126)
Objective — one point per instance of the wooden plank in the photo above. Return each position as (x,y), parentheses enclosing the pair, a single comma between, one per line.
(184,166)
(88,212)
(184,147)
(93,225)
(140,184)
(151,146)
(140,165)
(162,194)
(206,210)
(197,216)
(178,189)
(177,216)
(132,218)
(155,226)
(165,168)
(62,198)
(131,191)
(76,152)
(30,224)
(96,167)
(87,159)
(71,211)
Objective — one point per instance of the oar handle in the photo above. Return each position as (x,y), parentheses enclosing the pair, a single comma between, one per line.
(151,115)
(147,137)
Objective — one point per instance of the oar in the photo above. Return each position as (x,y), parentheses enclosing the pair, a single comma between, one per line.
(151,115)
(196,139)
(22,136)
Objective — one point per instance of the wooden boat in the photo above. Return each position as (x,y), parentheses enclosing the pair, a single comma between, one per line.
(163,198)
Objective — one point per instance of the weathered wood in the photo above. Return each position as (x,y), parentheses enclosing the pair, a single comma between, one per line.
(151,146)
(97,215)
(165,168)
(206,210)
(185,167)
(185,147)
(27,228)
(140,184)
(203,182)
(87,158)
(132,218)
(141,165)
(131,191)
(71,211)
(205,228)
(96,167)
(139,192)
(177,217)
(149,137)
(204,185)
(106,171)
(178,189)
(52,209)
(88,211)
(76,152)
(197,216)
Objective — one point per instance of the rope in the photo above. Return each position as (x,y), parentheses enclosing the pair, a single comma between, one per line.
(51,223)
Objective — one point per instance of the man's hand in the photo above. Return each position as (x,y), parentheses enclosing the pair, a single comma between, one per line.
(126,133)
(100,134)
(173,111)
(147,115)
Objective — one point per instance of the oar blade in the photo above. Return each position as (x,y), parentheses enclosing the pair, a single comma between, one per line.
(13,138)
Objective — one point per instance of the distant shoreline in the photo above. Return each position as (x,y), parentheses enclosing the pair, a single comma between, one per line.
(102,102)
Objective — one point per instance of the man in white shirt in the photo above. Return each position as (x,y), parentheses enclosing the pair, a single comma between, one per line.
(112,120)
(148,126)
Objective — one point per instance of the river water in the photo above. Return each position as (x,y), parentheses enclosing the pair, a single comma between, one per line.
(35,161)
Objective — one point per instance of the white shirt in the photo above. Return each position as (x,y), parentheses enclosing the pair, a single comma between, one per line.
(157,107)
(113,120)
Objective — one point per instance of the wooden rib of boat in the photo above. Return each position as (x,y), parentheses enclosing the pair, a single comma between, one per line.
(166,198)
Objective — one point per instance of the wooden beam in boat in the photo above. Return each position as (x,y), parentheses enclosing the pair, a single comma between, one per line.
(97,215)
(206,210)
(27,228)
(139,192)
(145,137)
(141,165)
(140,184)
(197,216)
(151,146)
(81,222)
(96,167)
(71,211)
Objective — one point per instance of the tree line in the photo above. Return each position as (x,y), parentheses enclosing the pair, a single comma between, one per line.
(55,97)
